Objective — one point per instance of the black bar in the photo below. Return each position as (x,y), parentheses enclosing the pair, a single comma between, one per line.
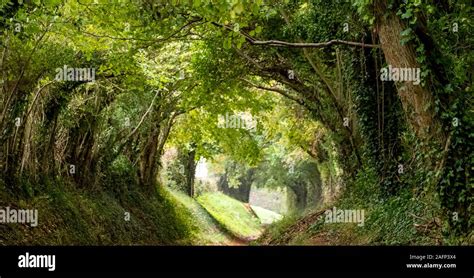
(349,259)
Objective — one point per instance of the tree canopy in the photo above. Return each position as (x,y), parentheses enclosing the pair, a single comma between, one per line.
(95,92)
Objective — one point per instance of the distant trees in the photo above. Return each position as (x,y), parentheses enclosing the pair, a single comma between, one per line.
(236,181)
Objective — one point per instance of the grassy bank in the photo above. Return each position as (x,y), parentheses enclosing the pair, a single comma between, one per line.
(69,216)
(232,215)
(207,230)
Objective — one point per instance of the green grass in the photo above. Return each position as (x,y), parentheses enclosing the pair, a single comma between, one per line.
(69,216)
(208,231)
(232,215)
(266,216)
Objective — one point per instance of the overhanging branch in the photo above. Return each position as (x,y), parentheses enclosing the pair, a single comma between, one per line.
(277,43)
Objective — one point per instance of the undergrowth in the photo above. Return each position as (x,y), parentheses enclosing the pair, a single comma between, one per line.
(409,218)
(71,216)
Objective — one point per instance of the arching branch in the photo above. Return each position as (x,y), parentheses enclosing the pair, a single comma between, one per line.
(278,43)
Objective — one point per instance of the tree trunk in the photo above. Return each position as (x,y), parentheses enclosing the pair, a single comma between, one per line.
(148,161)
(418,102)
(190,171)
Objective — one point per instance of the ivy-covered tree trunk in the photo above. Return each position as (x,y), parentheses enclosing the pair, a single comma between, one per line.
(448,129)
(380,118)
(417,101)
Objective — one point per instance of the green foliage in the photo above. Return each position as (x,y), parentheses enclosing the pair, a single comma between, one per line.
(166,70)
(120,177)
(449,84)
(381,131)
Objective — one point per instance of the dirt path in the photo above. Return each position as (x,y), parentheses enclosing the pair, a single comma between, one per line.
(236,242)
